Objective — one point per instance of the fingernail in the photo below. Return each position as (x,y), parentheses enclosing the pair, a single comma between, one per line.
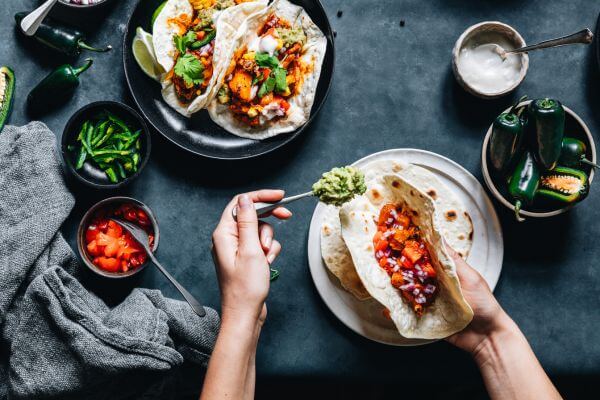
(270,258)
(268,241)
(244,201)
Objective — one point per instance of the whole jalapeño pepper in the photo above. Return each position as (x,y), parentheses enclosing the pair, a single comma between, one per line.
(61,38)
(572,154)
(59,84)
(548,119)
(523,183)
(506,139)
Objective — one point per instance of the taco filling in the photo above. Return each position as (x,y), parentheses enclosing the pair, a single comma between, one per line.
(401,251)
(194,45)
(265,73)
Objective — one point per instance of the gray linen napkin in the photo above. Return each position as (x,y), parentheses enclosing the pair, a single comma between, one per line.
(59,340)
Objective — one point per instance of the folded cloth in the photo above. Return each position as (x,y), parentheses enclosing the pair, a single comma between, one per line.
(58,340)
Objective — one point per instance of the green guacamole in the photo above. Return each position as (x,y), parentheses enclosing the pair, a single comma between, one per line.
(340,185)
(289,36)
(205,18)
(223,4)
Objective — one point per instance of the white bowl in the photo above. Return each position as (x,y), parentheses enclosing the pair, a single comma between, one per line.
(583,134)
(496,27)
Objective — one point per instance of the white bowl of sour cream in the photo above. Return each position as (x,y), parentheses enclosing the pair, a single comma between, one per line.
(478,66)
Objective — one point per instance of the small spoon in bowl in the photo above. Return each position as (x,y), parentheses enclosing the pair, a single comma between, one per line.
(142,238)
(584,36)
(33,20)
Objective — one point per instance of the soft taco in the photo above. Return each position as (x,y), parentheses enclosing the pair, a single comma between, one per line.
(192,41)
(270,83)
(399,254)
(451,216)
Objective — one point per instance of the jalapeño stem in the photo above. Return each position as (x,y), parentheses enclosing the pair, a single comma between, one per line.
(83,45)
(88,63)
(588,162)
(518,210)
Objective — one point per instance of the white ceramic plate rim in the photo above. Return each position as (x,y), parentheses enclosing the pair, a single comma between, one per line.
(337,299)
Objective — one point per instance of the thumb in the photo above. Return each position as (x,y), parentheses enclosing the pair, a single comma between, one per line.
(247,222)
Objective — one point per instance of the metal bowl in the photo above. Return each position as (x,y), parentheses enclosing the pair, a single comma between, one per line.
(489,27)
(574,127)
(86,220)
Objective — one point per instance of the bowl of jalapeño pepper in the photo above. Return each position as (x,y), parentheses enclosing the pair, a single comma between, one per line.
(106,145)
(538,158)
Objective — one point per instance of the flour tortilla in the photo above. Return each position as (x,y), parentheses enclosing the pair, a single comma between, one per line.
(451,216)
(227,23)
(300,104)
(449,313)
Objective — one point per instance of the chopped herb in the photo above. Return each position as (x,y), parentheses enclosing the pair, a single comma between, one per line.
(183,42)
(267,86)
(280,75)
(190,69)
(266,61)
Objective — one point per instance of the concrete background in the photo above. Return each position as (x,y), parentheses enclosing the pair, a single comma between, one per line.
(393,87)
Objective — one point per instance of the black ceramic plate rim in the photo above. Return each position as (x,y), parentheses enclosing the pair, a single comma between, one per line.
(99,185)
(291,136)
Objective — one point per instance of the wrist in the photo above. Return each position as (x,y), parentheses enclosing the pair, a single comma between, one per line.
(504,333)
(240,320)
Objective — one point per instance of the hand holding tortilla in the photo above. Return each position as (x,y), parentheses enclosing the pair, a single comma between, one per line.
(422,294)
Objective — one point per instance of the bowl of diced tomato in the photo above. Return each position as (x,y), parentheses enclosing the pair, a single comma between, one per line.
(108,249)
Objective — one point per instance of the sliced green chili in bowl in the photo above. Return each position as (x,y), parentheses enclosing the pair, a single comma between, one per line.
(105,144)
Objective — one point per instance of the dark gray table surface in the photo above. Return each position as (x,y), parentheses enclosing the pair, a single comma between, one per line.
(393,87)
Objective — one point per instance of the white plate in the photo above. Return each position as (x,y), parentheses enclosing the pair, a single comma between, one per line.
(365,317)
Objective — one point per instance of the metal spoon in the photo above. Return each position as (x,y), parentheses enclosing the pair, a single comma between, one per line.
(585,36)
(263,208)
(32,21)
(142,238)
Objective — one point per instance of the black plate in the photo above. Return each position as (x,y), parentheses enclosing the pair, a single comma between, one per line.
(199,134)
(597,40)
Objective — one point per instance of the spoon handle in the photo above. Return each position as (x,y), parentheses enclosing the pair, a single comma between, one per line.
(32,21)
(584,36)
(196,306)
(263,208)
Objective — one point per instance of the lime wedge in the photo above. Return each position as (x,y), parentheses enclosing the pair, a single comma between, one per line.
(157,11)
(143,52)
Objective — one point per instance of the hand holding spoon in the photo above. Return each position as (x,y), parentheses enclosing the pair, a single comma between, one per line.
(335,187)
(584,36)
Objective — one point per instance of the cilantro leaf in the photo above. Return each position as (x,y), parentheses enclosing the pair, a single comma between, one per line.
(266,61)
(183,42)
(280,75)
(190,69)
(267,86)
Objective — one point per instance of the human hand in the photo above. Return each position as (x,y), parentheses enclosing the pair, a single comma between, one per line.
(243,251)
(488,318)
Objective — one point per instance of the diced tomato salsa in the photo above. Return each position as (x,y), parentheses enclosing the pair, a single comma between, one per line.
(110,247)
(401,252)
